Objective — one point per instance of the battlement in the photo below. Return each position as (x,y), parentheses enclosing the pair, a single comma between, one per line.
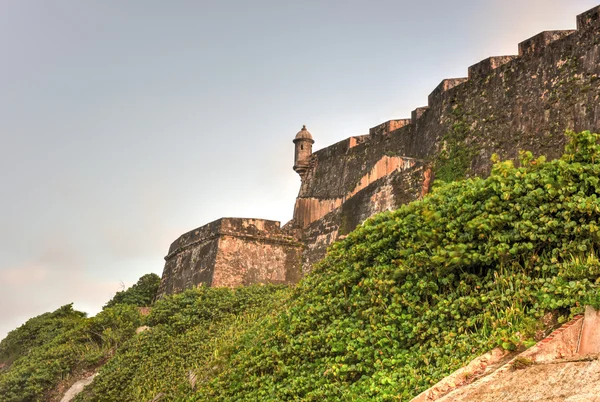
(589,19)
(417,113)
(486,66)
(538,43)
(444,86)
(388,126)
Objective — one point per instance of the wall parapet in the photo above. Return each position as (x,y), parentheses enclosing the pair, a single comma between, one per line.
(388,126)
(486,66)
(589,19)
(442,87)
(537,43)
(244,228)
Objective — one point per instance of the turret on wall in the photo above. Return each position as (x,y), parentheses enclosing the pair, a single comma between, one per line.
(303,151)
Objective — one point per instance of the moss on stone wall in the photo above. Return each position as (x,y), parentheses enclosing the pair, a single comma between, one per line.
(455,156)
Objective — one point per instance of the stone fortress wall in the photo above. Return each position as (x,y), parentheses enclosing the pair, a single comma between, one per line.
(504,105)
(231,252)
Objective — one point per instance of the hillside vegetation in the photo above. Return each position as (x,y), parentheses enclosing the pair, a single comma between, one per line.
(50,348)
(404,300)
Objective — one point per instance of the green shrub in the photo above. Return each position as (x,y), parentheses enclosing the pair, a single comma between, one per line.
(37,331)
(141,294)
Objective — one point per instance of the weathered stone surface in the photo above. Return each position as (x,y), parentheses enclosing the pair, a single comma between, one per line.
(485,67)
(589,341)
(400,186)
(476,368)
(231,252)
(537,44)
(570,381)
(310,209)
(388,126)
(444,86)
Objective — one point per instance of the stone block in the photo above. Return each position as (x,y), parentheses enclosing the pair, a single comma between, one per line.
(488,65)
(537,43)
(444,86)
(418,112)
(589,19)
(589,342)
(388,126)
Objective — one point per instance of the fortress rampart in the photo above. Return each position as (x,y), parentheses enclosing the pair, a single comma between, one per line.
(231,252)
(505,104)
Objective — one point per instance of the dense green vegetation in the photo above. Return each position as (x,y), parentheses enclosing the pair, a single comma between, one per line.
(404,300)
(192,334)
(413,294)
(52,347)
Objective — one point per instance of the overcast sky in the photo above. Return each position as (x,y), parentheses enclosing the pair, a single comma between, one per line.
(125,123)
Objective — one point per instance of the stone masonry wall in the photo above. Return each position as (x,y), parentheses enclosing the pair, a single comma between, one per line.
(191,259)
(387,193)
(231,252)
(506,104)
(350,181)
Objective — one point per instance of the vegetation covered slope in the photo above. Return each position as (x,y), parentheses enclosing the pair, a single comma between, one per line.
(49,348)
(413,294)
(192,334)
(404,300)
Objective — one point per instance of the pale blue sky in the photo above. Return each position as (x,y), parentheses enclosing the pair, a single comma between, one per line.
(126,123)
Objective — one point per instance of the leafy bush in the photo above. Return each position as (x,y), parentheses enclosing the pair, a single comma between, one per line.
(37,331)
(141,294)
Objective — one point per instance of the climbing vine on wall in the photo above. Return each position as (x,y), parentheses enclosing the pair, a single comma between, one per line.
(455,157)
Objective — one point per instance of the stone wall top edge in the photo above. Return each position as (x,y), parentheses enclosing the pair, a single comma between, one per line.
(338,147)
(535,44)
(445,85)
(208,231)
(213,231)
(589,18)
(237,219)
(480,69)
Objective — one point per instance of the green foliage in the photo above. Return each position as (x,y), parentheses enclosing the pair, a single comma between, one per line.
(414,294)
(198,328)
(37,331)
(456,155)
(141,294)
(49,348)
